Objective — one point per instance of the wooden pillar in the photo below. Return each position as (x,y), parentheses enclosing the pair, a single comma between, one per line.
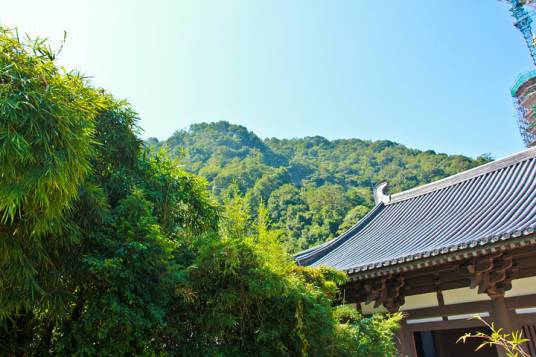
(501,317)
(358,307)
(405,341)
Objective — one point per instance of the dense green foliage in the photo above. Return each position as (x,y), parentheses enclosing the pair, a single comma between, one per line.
(108,250)
(313,188)
(46,131)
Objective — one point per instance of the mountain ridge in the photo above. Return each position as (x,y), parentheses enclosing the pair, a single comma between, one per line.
(313,187)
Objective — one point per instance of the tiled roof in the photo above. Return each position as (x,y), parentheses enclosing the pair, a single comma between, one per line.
(488,204)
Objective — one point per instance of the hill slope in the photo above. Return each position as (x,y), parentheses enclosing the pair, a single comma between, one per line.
(314,188)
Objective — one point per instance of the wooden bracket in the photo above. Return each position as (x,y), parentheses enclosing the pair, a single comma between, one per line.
(386,291)
(492,274)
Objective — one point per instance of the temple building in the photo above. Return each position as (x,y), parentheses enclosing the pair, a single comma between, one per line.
(445,251)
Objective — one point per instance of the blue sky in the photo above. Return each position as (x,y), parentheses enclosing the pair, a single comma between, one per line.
(428,74)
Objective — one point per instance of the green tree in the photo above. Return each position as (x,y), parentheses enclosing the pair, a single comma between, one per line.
(352,217)
(46,144)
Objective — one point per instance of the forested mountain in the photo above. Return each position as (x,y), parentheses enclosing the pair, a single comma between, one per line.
(313,188)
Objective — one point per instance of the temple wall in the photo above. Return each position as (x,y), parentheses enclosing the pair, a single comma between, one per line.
(521,287)
(459,296)
(420,301)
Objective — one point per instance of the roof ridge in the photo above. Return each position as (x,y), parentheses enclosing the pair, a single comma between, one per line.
(464,175)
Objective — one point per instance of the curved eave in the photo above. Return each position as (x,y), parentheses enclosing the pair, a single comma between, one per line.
(309,256)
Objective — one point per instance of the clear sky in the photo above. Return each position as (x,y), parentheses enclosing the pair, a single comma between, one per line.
(428,74)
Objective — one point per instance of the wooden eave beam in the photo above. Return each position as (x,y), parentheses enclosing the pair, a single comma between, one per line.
(491,274)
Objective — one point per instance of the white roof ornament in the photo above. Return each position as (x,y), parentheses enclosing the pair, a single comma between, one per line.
(379,196)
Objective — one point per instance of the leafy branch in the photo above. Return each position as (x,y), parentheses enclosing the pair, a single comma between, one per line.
(510,342)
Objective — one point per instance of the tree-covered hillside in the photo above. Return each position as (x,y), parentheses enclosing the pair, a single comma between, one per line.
(313,188)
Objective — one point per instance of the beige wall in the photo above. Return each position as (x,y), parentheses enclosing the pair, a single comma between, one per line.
(459,296)
(420,301)
(521,287)
(368,309)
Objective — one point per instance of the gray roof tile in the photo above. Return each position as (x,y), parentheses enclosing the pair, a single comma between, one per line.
(492,202)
